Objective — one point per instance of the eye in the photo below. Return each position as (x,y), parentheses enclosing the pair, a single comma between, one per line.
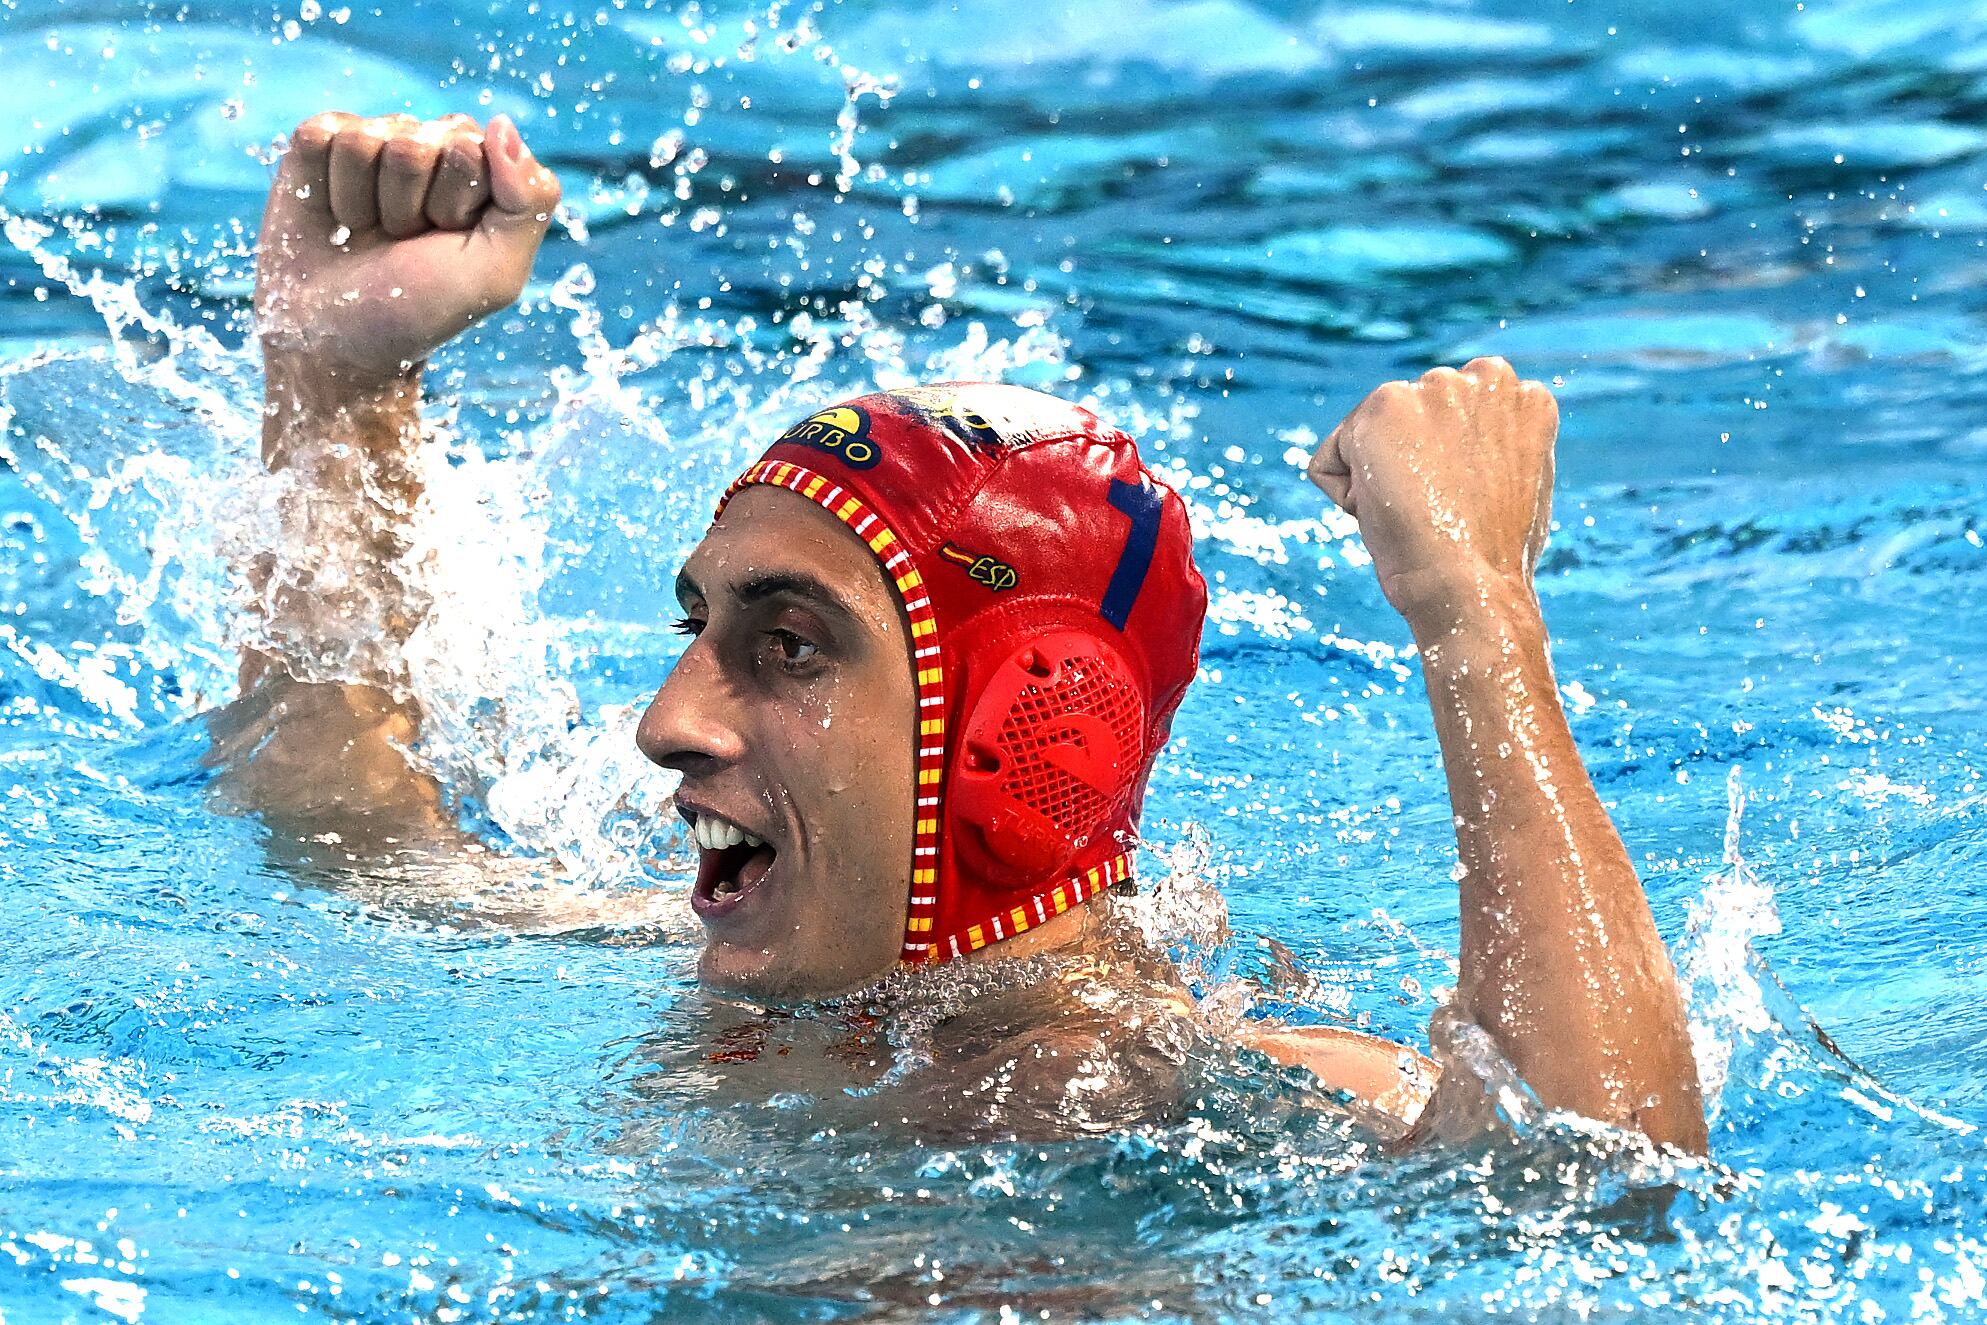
(795,650)
(687,626)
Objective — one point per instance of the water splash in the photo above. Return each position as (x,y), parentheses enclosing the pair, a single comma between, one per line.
(1727,1004)
(1742,1016)
(505,730)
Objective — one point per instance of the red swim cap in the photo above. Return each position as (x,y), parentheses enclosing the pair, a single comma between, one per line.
(1055,617)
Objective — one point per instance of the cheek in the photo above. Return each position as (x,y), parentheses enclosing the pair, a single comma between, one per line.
(818,752)
(852,783)
(854,743)
(853,774)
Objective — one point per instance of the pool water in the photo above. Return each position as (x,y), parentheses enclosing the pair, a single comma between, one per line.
(243,1079)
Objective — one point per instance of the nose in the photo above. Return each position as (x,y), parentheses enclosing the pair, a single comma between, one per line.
(689,725)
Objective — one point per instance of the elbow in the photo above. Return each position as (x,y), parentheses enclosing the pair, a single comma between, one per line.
(1675,1120)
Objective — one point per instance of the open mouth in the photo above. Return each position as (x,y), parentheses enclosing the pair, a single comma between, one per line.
(731,863)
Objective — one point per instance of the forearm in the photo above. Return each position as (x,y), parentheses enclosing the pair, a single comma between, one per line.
(310,409)
(335,596)
(1561,960)
(317,739)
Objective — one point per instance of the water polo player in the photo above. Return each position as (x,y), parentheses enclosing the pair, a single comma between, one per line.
(937,639)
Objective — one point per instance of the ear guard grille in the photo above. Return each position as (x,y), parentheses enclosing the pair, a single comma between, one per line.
(1049,754)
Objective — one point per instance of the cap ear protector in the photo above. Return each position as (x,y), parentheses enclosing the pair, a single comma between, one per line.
(1048,755)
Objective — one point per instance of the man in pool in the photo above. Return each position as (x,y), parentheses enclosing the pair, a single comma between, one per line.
(937,638)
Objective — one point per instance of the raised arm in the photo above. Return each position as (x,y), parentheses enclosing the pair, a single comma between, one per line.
(382,239)
(1450,478)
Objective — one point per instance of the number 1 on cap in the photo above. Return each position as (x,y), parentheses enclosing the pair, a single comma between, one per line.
(1143,504)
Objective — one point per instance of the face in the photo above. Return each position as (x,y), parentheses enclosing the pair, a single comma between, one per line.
(790,716)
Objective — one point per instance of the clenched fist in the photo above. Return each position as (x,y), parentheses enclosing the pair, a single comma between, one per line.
(1450,478)
(385,237)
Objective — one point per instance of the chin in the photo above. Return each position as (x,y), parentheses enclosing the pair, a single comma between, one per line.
(769,976)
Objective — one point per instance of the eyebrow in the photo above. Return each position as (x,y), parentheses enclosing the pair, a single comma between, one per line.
(774,584)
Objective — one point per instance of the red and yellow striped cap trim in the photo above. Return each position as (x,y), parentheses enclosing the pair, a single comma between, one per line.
(926,664)
(1040,909)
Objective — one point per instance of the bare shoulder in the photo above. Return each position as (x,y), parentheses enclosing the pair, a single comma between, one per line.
(1081,1070)
(1389,1077)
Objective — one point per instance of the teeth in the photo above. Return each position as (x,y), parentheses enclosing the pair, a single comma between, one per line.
(711,833)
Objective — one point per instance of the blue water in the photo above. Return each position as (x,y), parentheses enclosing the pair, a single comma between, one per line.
(242,1080)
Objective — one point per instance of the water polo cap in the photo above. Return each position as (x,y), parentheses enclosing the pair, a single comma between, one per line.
(1055,617)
